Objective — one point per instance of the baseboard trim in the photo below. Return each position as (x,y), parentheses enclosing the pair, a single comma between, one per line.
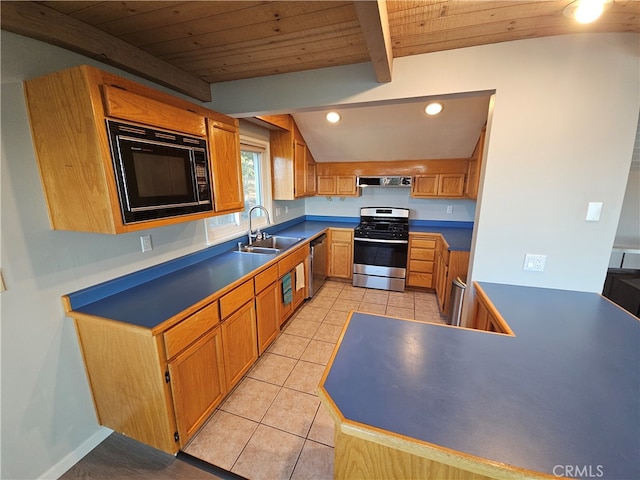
(75,456)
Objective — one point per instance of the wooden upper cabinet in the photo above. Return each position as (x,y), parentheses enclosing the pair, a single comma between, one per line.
(311,185)
(438,185)
(68,112)
(300,168)
(226,167)
(339,185)
(293,167)
(425,186)
(475,165)
(130,106)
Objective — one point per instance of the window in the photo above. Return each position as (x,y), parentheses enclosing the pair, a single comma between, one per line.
(256,182)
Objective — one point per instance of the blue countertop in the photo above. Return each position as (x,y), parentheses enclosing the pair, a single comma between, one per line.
(563,391)
(153,296)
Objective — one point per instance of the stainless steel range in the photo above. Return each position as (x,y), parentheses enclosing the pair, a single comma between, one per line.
(381,242)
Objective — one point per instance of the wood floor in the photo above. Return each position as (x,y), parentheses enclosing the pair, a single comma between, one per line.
(119,457)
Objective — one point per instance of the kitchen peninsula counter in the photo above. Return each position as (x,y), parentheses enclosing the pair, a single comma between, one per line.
(559,398)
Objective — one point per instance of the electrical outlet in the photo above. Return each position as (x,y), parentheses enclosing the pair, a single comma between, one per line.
(145,242)
(278,211)
(449,208)
(286,209)
(534,263)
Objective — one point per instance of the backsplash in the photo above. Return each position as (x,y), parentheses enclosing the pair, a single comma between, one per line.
(431,209)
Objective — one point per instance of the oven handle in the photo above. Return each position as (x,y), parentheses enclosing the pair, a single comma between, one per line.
(377,240)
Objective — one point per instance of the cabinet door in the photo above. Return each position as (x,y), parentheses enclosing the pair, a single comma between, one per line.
(197,383)
(224,147)
(441,279)
(346,185)
(327,185)
(340,253)
(299,169)
(240,343)
(451,185)
(424,186)
(285,309)
(268,316)
(310,185)
(126,105)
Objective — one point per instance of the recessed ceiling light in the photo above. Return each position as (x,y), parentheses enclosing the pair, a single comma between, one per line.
(586,11)
(434,108)
(333,117)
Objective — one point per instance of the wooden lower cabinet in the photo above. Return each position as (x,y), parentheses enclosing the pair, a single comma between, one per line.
(340,261)
(420,264)
(485,316)
(197,383)
(287,309)
(239,343)
(288,265)
(449,265)
(268,316)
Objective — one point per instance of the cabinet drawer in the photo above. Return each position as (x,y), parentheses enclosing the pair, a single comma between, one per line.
(424,280)
(130,106)
(422,254)
(266,278)
(420,266)
(423,242)
(233,300)
(289,262)
(341,236)
(190,329)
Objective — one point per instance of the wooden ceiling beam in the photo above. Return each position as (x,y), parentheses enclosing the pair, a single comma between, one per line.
(43,23)
(374,22)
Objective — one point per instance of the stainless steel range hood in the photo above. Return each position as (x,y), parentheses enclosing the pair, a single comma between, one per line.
(384,181)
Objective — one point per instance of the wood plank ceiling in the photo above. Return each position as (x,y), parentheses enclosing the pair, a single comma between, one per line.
(188,45)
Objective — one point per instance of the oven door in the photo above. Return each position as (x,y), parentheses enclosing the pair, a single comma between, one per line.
(387,258)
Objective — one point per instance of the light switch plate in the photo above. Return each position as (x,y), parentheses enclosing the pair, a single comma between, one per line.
(593,212)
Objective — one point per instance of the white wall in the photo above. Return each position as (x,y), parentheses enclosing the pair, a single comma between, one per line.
(47,413)
(562,132)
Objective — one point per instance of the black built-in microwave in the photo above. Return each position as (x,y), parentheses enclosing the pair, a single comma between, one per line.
(159,174)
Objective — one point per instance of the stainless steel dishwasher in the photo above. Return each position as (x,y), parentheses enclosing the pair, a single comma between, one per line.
(318,261)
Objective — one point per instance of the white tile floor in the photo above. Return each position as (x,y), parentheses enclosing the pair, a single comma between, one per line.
(273,426)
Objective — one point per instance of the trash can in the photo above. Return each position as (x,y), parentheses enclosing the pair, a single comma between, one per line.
(458,287)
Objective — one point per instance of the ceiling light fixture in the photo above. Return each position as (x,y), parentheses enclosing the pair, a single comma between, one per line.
(586,11)
(333,117)
(434,108)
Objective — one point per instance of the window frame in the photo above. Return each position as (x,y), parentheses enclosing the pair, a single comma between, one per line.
(215,234)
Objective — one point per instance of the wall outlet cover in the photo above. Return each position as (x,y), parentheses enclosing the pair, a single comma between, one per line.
(145,243)
(534,263)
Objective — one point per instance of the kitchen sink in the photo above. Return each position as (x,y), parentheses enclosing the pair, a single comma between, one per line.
(271,245)
(277,242)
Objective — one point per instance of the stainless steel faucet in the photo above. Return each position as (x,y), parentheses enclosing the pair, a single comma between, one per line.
(250,235)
